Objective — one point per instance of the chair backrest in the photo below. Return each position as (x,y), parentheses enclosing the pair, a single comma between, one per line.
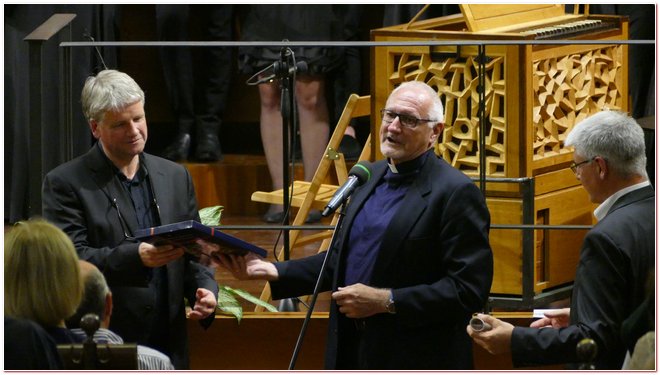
(92,356)
(100,357)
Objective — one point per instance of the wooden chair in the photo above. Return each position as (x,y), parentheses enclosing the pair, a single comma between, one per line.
(104,356)
(92,356)
(316,194)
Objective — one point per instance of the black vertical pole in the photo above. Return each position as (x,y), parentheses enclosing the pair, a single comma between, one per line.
(66,101)
(285,109)
(35,146)
(482,117)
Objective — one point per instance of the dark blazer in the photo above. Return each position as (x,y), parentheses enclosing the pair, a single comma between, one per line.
(78,197)
(28,346)
(610,282)
(436,258)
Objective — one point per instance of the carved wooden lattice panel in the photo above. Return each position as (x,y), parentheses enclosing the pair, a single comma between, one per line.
(566,88)
(569,88)
(456,80)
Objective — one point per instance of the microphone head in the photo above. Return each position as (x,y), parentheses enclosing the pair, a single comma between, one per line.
(301,67)
(361,170)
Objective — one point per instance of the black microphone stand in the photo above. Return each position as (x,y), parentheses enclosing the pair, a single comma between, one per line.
(317,287)
(283,73)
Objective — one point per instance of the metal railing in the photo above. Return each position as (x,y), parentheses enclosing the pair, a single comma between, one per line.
(61,23)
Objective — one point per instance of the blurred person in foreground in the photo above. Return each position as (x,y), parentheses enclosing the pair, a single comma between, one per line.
(42,278)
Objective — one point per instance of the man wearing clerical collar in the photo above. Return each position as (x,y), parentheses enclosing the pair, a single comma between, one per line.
(411,261)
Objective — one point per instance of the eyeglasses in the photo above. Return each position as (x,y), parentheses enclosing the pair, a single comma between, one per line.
(574,166)
(407,121)
(124,225)
(122,222)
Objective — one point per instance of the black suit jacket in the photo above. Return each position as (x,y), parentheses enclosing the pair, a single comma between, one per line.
(615,260)
(83,198)
(436,258)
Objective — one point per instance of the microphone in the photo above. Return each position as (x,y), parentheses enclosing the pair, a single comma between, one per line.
(277,69)
(357,176)
(282,68)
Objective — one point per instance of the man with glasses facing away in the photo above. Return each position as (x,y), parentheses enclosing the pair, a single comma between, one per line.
(100,198)
(412,260)
(616,258)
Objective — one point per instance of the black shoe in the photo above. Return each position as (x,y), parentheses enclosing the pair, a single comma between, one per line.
(350,147)
(178,150)
(208,148)
(273,217)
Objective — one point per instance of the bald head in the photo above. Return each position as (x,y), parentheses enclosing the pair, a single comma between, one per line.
(96,296)
(86,268)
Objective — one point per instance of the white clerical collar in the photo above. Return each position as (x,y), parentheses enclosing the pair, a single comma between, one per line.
(392,166)
(601,211)
(410,165)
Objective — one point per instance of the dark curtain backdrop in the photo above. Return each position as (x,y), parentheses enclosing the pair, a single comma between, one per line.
(21,20)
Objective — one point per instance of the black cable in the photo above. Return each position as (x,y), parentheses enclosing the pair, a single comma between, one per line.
(89,37)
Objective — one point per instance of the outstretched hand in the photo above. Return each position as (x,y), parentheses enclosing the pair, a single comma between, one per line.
(553,318)
(205,304)
(246,267)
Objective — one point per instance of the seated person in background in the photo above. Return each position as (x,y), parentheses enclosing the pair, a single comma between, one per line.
(42,277)
(97,299)
(616,256)
(29,347)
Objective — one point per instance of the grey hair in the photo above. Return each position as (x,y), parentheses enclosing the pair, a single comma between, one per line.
(93,301)
(109,90)
(612,135)
(436,111)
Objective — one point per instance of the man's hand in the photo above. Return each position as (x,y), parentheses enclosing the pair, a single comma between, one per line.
(204,305)
(496,340)
(205,251)
(247,267)
(156,256)
(361,301)
(554,318)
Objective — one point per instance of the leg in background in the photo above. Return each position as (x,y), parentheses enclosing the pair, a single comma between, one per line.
(271,139)
(172,25)
(314,127)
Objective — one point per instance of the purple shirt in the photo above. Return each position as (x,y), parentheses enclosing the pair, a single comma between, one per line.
(373,219)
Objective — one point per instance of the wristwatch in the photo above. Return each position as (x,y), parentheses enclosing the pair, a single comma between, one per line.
(389,305)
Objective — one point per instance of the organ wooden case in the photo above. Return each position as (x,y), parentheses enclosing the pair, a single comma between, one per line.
(534,94)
